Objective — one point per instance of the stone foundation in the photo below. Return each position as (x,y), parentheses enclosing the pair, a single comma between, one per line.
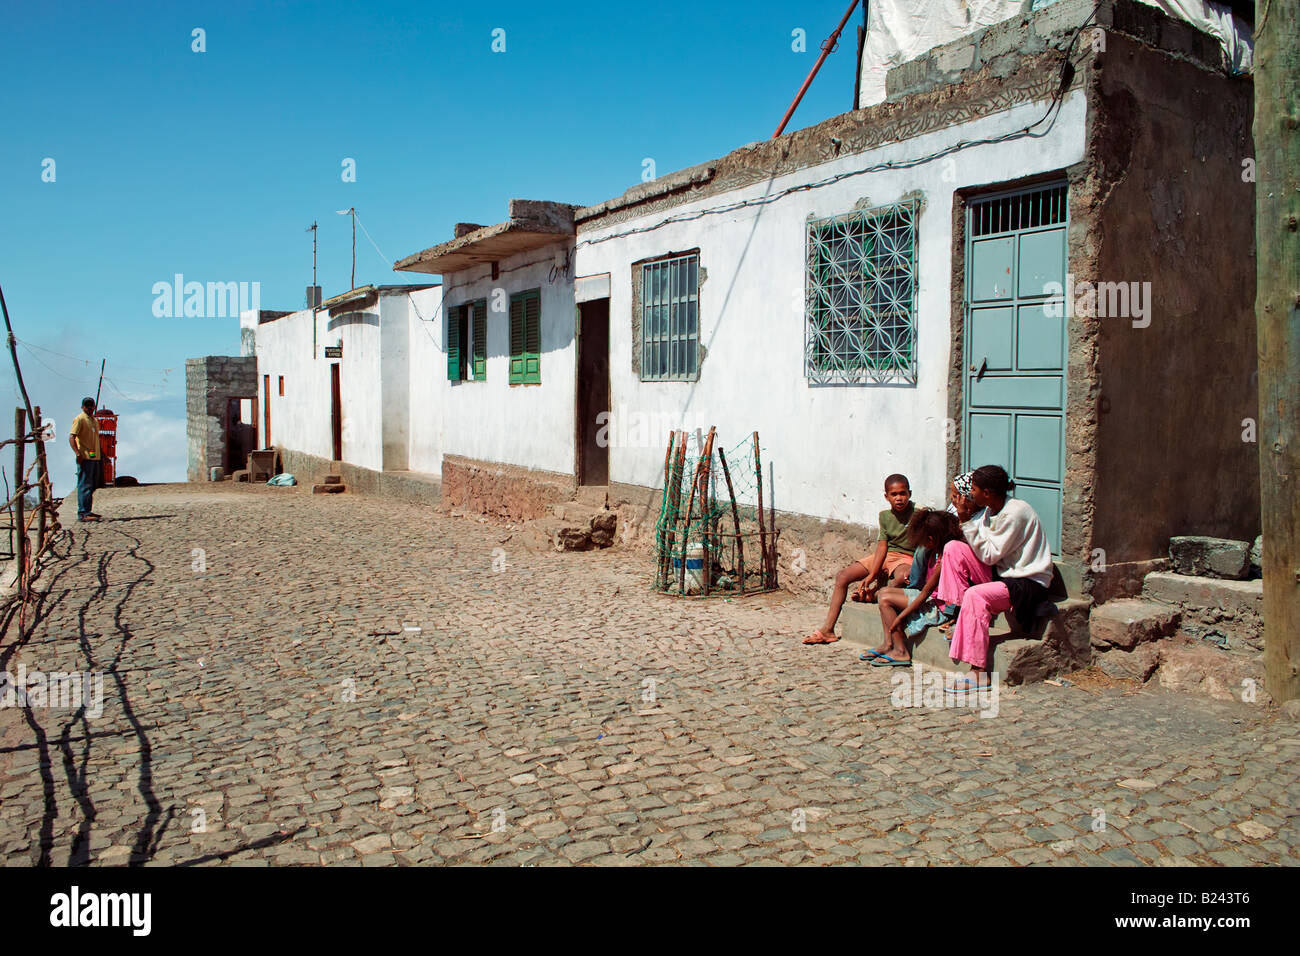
(414,487)
(506,491)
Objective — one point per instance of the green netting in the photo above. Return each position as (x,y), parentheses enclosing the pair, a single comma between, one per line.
(715,534)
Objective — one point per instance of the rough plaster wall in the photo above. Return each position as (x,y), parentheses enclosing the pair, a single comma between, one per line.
(492,420)
(1174,211)
(428,381)
(209,383)
(831,446)
(300,420)
(395,379)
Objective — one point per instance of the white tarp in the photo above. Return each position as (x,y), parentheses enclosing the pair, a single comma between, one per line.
(902,30)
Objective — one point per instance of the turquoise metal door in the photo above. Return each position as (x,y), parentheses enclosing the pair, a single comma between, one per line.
(1015,344)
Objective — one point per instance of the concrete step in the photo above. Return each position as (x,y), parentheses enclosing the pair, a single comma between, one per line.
(1059,642)
(1234,609)
(595,495)
(577,512)
(333,479)
(328,489)
(1128,622)
(336,467)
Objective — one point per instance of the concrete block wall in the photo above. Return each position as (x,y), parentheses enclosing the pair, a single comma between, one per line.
(209,383)
(1005,44)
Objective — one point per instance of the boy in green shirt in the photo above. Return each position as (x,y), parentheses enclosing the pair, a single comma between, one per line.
(890,562)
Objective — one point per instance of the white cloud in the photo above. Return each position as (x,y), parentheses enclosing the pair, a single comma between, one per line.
(150,447)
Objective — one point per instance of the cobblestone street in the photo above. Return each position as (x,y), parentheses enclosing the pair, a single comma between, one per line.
(266,700)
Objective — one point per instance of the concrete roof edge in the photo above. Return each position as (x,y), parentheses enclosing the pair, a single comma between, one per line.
(525,215)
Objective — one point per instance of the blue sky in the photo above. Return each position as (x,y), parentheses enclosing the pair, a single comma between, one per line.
(214,164)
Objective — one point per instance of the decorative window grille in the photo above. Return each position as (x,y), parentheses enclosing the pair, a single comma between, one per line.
(670,319)
(860,298)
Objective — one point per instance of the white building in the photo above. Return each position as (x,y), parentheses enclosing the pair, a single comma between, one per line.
(880,292)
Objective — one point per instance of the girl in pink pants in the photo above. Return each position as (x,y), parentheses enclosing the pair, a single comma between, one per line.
(1006,535)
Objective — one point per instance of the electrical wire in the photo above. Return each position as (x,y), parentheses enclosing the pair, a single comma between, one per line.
(1049,117)
(79,381)
(134,368)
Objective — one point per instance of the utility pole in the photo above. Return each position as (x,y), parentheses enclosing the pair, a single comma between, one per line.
(352,211)
(1277,318)
(312,230)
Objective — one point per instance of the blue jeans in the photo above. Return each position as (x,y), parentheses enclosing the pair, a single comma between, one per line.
(87,482)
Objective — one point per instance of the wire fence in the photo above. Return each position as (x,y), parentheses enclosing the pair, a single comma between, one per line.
(712,537)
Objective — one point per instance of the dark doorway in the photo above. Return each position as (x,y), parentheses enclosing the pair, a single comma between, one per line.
(266,411)
(593,392)
(241,437)
(336,412)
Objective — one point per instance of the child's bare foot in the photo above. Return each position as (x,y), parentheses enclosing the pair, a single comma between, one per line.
(820,637)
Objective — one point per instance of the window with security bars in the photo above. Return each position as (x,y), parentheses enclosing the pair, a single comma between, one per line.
(861,298)
(1042,207)
(526,338)
(467,342)
(670,319)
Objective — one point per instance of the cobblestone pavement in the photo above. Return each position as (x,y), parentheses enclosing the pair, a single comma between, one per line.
(263,702)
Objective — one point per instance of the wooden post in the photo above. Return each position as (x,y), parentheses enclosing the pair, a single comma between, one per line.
(735,520)
(661,575)
(771,524)
(44,483)
(1277,318)
(20,526)
(762,529)
(706,507)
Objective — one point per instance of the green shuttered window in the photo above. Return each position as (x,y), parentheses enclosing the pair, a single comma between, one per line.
(467,342)
(526,338)
(480,340)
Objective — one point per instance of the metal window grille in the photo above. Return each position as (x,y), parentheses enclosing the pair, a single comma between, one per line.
(861,298)
(1044,207)
(670,319)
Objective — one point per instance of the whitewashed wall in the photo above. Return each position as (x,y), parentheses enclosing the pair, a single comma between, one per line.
(427,371)
(529,425)
(375,382)
(301,419)
(831,446)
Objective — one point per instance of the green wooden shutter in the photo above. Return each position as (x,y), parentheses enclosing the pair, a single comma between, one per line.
(533,338)
(453,344)
(480,340)
(516,339)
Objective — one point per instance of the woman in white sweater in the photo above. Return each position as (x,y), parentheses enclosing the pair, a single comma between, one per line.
(1007,535)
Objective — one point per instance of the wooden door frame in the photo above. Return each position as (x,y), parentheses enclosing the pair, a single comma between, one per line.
(336,409)
(266,409)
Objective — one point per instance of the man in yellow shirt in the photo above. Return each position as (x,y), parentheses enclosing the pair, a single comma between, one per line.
(84,440)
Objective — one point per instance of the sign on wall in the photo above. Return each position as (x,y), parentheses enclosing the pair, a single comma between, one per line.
(333,351)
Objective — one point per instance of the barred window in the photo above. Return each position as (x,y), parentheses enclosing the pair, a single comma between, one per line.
(860,298)
(670,319)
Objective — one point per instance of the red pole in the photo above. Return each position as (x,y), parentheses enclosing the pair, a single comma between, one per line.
(827,47)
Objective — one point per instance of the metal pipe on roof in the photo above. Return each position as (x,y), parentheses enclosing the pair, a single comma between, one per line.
(827,47)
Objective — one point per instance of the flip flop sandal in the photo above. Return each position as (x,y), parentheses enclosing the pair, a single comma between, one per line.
(965,687)
(884,660)
(870,655)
